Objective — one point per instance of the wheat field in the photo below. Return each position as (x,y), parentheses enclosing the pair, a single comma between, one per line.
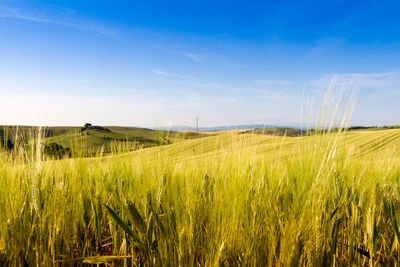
(329,199)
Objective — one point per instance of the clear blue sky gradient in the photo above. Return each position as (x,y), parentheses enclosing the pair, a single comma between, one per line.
(160,63)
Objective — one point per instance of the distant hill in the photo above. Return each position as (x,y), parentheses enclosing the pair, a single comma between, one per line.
(373,127)
(293,132)
(220,128)
(279,131)
(261,126)
(88,141)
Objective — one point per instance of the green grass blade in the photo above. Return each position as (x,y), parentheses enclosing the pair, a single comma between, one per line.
(136,217)
(395,225)
(123,224)
(159,223)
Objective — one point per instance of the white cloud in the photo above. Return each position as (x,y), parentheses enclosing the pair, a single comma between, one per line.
(274,82)
(135,108)
(198,58)
(59,109)
(162,73)
(275,95)
(65,21)
(174,75)
(195,57)
(361,80)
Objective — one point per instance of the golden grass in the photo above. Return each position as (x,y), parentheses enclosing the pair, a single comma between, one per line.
(231,199)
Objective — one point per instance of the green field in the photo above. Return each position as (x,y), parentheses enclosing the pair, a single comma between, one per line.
(92,142)
(290,132)
(231,199)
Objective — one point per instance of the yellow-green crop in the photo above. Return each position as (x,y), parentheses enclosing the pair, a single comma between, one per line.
(232,199)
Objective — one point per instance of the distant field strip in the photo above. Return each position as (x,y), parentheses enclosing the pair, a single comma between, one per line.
(276,147)
(378,142)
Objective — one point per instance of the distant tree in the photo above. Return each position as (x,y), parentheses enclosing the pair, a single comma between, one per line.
(7,144)
(361,127)
(89,126)
(85,127)
(57,151)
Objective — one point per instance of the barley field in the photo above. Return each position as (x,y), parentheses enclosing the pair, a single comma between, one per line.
(326,199)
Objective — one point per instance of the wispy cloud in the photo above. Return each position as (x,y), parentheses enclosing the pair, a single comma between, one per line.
(198,58)
(273,95)
(274,82)
(362,80)
(174,75)
(190,81)
(371,79)
(65,21)
(135,108)
(195,57)
(162,73)
(215,85)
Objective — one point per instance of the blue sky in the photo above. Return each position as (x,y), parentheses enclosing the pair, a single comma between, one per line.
(161,63)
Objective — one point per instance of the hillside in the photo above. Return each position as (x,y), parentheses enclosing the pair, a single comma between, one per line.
(356,144)
(90,141)
(292,132)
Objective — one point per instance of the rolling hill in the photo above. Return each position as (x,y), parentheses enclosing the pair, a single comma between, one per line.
(90,141)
